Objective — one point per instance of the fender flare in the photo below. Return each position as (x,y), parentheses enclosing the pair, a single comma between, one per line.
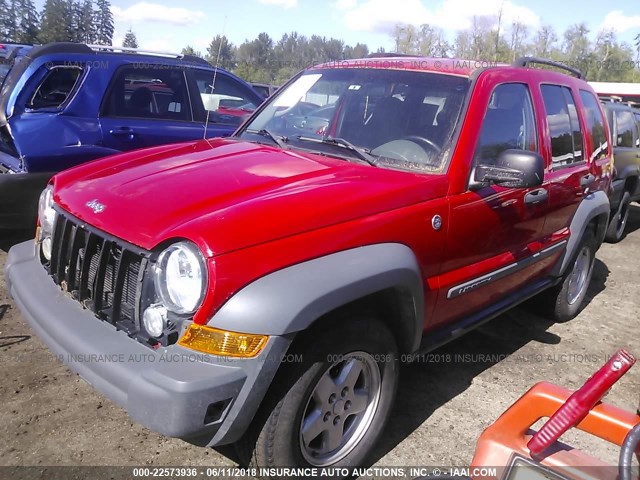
(594,205)
(291,299)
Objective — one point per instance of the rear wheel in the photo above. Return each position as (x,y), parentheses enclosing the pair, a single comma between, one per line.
(565,300)
(334,404)
(618,221)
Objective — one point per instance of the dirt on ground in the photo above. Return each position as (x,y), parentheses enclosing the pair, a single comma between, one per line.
(50,416)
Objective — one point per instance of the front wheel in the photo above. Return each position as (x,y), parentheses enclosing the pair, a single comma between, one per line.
(338,402)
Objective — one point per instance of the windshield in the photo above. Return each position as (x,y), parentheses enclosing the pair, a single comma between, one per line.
(398,119)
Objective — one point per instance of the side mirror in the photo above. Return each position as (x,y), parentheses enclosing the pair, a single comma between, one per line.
(513,168)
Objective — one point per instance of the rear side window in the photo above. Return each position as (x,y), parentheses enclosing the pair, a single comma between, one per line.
(55,88)
(149,93)
(595,124)
(564,127)
(625,126)
(509,123)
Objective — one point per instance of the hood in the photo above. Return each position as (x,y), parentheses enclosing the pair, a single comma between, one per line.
(226,195)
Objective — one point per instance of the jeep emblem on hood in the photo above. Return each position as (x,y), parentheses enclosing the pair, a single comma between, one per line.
(96,206)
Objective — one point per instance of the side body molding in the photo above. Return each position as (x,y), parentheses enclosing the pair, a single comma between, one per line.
(594,205)
(291,299)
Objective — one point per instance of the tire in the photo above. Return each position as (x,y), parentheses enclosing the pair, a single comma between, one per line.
(345,383)
(618,221)
(564,301)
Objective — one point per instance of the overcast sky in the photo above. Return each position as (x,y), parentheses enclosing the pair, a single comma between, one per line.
(161,25)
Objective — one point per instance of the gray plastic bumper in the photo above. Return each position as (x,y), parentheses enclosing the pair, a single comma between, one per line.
(178,392)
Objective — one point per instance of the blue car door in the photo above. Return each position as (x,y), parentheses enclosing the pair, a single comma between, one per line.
(148,106)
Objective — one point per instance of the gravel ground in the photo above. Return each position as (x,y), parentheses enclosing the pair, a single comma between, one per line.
(49,416)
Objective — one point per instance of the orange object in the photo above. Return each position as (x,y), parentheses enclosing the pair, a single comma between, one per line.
(507,438)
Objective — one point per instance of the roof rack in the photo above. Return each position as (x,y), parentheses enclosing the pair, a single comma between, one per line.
(390,55)
(526,61)
(179,56)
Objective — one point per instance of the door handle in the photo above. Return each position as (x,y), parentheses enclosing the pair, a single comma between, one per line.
(537,196)
(587,180)
(122,132)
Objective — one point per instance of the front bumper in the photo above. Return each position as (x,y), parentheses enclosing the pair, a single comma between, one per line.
(201,398)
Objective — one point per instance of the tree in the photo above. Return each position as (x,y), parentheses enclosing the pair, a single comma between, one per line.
(103,19)
(87,30)
(9,21)
(289,56)
(4,20)
(189,50)
(130,40)
(545,42)
(28,22)
(637,40)
(613,61)
(519,34)
(359,51)
(576,42)
(256,59)
(75,17)
(221,52)
(55,22)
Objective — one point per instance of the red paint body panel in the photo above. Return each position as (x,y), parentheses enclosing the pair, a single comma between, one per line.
(236,195)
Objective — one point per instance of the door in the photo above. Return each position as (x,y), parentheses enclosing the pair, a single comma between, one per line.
(147,106)
(570,176)
(493,230)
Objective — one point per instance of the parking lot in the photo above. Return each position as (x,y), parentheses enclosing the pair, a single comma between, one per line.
(49,416)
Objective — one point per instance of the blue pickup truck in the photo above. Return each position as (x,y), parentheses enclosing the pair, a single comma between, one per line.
(63,104)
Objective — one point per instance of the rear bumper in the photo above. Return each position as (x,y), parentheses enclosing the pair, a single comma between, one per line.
(201,398)
(19,193)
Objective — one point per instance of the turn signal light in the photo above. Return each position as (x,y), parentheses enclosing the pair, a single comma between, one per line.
(221,342)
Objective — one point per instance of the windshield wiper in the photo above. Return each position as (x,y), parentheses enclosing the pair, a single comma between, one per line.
(361,153)
(279,140)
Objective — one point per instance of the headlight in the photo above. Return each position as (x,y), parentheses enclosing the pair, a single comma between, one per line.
(179,277)
(46,218)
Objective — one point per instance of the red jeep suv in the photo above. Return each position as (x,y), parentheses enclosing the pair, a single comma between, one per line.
(264,288)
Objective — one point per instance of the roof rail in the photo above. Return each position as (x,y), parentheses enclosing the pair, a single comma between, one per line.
(179,56)
(526,61)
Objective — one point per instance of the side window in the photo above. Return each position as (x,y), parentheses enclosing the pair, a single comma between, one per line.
(227,101)
(509,123)
(55,87)
(562,118)
(625,126)
(595,124)
(637,115)
(149,93)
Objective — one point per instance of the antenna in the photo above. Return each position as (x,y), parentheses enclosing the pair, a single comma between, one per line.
(215,74)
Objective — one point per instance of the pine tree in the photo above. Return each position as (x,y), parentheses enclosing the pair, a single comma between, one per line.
(5,19)
(28,24)
(55,22)
(74,20)
(130,40)
(103,19)
(10,24)
(87,29)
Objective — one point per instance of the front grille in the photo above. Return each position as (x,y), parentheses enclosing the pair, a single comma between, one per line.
(101,273)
